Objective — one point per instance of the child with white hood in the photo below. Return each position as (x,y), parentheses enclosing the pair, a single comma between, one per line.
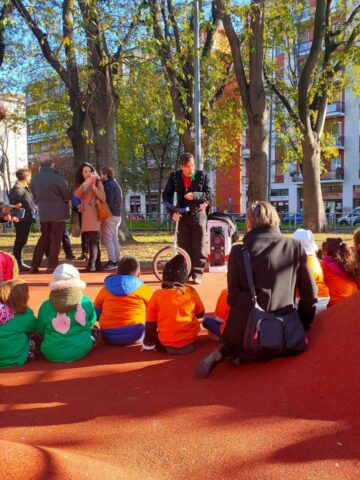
(67,319)
(306,238)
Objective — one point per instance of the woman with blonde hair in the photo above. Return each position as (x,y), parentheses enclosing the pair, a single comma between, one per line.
(279,267)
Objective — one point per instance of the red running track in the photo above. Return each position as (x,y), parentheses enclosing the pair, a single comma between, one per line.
(123,414)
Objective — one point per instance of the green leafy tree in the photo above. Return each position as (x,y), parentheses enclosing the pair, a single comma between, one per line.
(148,141)
(306,86)
(172,43)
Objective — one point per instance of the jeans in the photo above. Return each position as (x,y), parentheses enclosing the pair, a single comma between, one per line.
(110,237)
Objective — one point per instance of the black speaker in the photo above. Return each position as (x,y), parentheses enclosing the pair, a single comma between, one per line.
(217,247)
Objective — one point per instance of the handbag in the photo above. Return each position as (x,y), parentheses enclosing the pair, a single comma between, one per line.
(103,211)
(270,332)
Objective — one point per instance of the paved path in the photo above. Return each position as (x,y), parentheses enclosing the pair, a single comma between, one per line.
(125,414)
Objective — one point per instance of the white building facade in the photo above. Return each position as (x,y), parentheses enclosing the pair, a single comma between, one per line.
(13,141)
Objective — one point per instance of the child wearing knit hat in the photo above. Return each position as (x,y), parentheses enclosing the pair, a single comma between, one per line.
(67,319)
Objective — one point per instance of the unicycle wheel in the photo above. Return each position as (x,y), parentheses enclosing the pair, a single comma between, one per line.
(166,254)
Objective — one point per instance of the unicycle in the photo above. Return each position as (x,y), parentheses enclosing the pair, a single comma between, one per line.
(167,253)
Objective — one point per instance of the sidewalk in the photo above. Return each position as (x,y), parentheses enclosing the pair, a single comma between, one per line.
(125,414)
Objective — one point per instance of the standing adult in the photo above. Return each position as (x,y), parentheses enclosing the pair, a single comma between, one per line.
(110,226)
(193,190)
(20,193)
(51,194)
(279,267)
(89,190)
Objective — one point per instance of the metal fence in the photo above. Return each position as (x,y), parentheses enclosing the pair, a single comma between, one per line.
(162,224)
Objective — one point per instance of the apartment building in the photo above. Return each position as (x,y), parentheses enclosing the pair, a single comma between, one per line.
(340,180)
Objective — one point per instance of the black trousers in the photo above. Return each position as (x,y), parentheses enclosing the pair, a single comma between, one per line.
(66,243)
(94,250)
(50,239)
(22,230)
(192,238)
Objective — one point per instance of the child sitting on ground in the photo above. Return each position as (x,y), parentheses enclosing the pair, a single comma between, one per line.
(17,322)
(216,324)
(121,304)
(341,269)
(67,319)
(307,241)
(172,315)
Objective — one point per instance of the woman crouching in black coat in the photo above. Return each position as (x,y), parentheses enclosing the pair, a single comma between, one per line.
(279,267)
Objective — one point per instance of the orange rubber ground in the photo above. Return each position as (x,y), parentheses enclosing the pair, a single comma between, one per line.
(125,414)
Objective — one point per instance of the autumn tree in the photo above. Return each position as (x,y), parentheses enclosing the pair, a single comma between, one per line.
(171,25)
(247,48)
(306,86)
(148,141)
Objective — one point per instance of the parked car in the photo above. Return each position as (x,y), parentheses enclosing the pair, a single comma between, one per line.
(293,219)
(356,221)
(350,218)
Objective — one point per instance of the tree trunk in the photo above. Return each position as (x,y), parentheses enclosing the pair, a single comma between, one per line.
(76,134)
(187,140)
(258,168)
(314,211)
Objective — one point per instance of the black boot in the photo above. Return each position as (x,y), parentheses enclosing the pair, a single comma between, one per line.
(22,266)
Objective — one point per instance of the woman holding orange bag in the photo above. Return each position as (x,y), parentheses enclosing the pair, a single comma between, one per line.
(89,190)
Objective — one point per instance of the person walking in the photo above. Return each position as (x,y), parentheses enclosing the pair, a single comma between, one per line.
(20,193)
(192,188)
(89,190)
(51,194)
(110,227)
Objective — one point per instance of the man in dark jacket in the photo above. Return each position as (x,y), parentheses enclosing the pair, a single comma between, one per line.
(51,194)
(279,267)
(192,190)
(110,227)
(20,193)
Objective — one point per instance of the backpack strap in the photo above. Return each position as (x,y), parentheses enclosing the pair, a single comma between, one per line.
(249,275)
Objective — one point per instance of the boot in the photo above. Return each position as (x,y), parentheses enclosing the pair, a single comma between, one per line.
(22,266)
(207,364)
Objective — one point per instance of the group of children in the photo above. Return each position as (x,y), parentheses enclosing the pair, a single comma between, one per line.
(126,311)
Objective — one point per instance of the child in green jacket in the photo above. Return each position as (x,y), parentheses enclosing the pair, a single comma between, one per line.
(17,322)
(67,318)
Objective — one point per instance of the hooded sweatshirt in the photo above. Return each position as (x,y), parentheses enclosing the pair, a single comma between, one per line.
(122,301)
(14,340)
(339,283)
(65,321)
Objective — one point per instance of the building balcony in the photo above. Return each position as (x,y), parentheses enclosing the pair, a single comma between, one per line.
(337,174)
(304,47)
(296,177)
(336,109)
(340,141)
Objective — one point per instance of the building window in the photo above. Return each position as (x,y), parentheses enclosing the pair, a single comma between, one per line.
(135,204)
(153,205)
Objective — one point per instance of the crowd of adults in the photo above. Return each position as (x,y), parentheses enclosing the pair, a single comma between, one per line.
(48,197)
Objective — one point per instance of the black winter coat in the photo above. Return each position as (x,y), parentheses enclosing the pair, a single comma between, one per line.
(20,194)
(200,187)
(279,267)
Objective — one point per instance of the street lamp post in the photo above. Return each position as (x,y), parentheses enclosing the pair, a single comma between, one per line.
(197,100)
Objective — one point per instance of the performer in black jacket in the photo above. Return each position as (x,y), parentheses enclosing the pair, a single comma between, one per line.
(192,190)
(20,193)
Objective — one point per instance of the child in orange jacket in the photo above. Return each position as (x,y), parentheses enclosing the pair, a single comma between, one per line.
(121,304)
(172,323)
(215,325)
(341,269)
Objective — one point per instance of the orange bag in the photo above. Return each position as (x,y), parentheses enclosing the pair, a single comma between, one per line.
(103,211)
